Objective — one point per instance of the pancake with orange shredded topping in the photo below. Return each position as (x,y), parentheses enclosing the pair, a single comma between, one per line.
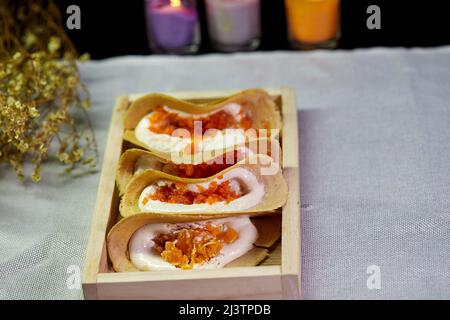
(148,242)
(240,188)
(168,125)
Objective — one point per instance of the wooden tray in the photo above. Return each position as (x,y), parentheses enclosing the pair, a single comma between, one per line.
(278,277)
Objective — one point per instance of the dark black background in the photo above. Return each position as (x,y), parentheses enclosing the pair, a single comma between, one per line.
(167,310)
(111,28)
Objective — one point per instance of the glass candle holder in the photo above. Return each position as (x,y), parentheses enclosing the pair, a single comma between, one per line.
(313,24)
(173,26)
(234,25)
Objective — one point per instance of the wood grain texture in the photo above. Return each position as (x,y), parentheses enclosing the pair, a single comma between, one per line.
(228,283)
(291,247)
(274,258)
(104,205)
(278,277)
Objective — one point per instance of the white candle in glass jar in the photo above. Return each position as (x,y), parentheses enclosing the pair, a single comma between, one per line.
(233,22)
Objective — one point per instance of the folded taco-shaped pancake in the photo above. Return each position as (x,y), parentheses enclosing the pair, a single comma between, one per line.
(134,161)
(166,124)
(148,242)
(256,184)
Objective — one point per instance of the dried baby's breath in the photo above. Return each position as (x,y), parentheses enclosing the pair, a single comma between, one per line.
(40,90)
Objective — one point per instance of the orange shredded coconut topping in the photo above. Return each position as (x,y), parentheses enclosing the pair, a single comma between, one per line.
(193,245)
(177,192)
(164,122)
(203,170)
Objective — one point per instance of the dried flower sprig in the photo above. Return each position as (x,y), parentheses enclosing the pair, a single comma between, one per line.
(40,90)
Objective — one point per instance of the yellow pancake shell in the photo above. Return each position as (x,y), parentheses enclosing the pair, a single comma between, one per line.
(263,110)
(157,161)
(276,190)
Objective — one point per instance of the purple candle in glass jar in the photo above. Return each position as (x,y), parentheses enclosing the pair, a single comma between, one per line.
(172,26)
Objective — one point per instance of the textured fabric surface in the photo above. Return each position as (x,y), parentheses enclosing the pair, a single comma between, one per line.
(375,170)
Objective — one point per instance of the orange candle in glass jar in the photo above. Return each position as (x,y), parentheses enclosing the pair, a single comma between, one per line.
(313,21)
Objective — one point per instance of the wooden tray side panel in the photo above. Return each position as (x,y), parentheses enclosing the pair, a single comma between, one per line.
(268,287)
(228,283)
(104,204)
(290,251)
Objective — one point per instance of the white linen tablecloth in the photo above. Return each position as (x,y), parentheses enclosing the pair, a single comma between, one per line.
(375,170)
